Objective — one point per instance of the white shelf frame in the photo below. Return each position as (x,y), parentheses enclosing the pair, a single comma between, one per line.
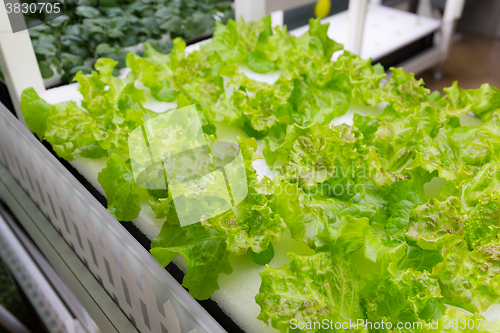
(17,61)
(252,10)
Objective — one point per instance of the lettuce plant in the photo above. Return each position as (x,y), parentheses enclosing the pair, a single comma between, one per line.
(353,193)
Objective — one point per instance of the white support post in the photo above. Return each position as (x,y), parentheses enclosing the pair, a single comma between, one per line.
(250,10)
(278,18)
(425,8)
(452,12)
(254,10)
(357,15)
(18,61)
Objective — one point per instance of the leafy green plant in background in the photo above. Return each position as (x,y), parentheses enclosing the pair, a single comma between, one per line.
(353,193)
(103,28)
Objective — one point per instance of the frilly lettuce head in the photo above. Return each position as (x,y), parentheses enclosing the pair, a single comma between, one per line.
(402,208)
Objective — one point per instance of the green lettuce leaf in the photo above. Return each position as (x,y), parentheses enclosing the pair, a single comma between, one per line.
(480,101)
(469,280)
(205,251)
(377,261)
(403,197)
(322,286)
(402,298)
(403,92)
(314,104)
(433,224)
(318,220)
(321,153)
(484,181)
(482,225)
(355,76)
(420,260)
(35,111)
(257,60)
(70,131)
(118,182)
(252,223)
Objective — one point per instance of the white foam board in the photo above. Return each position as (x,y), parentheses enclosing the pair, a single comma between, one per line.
(386,30)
